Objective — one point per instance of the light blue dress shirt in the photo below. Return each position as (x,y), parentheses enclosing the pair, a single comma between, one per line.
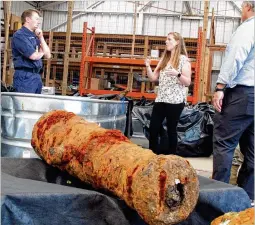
(238,63)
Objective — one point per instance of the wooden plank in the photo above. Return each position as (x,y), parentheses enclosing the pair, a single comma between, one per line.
(119,71)
(119,49)
(109,62)
(197,68)
(146,43)
(54,72)
(101,82)
(206,73)
(205,25)
(212,30)
(15,22)
(105,49)
(9,79)
(117,53)
(86,69)
(56,49)
(42,75)
(7,17)
(123,61)
(73,52)
(67,46)
(215,48)
(87,64)
(55,56)
(101,65)
(131,74)
(92,70)
(209,81)
(82,84)
(76,36)
(71,77)
(134,31)
(48,66)
(93,73)
(118,44)
(148,86)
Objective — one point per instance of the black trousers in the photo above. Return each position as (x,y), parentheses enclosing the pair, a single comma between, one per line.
(172,114)
(235,124)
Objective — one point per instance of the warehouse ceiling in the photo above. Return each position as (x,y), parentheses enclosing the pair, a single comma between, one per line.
(44,4)
(48,5)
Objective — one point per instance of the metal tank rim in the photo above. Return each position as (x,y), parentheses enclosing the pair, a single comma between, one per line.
(60,97)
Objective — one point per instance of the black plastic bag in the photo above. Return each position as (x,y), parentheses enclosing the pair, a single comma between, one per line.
(195,130)
(5,88)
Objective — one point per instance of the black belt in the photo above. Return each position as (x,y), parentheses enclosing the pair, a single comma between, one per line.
(26,69)
(243,86)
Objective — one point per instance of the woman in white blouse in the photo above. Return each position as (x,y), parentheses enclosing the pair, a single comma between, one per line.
(174,74)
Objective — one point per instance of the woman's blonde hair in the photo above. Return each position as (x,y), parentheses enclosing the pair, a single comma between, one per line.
(180,49)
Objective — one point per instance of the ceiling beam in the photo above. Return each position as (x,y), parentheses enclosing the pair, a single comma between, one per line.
(89,9)
(94,5)
(50,5)
(31,3)
(144,6)
(63,23)
(189,9)
(183,16)
(236,7)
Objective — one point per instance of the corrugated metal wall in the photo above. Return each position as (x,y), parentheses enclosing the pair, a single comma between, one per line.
(17,7)
(157,18)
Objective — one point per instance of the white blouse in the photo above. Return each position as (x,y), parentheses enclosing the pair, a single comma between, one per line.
(170,90)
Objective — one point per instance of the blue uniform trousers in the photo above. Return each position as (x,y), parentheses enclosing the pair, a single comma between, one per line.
(235,124)
(27,82)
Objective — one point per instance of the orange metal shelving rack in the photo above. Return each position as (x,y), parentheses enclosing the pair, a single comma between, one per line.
(88,58)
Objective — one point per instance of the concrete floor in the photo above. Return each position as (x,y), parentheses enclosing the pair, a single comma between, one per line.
(202,165)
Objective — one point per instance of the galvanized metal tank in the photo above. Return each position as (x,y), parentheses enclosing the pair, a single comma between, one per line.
(20,112)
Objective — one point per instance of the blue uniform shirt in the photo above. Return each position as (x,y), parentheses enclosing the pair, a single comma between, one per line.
(24,44)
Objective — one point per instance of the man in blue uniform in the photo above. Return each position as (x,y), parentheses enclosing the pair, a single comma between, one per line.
(234,101)
(28,48)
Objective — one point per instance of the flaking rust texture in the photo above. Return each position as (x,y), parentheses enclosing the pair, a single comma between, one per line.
(245,217)
(163,189)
